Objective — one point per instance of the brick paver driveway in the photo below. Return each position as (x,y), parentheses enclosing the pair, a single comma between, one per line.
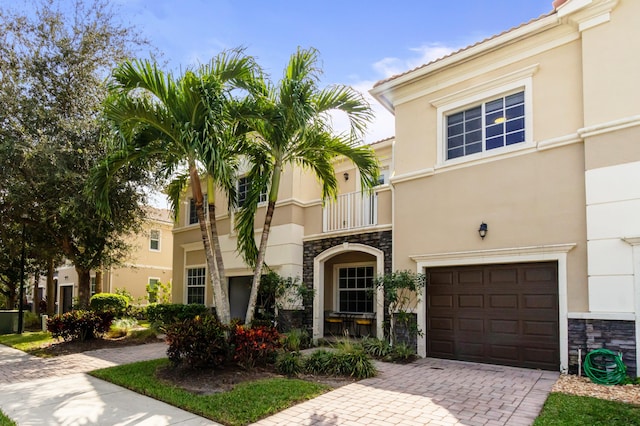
(429,392)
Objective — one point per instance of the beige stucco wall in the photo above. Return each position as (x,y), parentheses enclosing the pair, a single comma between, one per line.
(611,65)
(529,200)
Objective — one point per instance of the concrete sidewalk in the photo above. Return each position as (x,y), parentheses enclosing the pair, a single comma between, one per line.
(54,391)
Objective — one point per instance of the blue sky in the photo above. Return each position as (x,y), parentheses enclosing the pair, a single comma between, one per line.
(360,42)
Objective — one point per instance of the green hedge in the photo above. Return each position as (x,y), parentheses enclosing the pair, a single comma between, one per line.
(164,314)
(109,302)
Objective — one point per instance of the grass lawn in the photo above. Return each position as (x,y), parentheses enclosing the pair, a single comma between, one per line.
(563,409)
(246,403)
(6,421)
(28,341)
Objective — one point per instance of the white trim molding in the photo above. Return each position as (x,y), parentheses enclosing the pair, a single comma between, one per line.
(635,245)
(609,126)
(541,253)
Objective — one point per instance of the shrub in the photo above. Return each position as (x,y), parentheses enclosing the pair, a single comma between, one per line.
(376,348)
(289,363)
(295,340)
(355,364)
(79,325)
(164,314)
(109,302)
(319,362)
(138,312)
(197,342)
(254,345)
(402,353)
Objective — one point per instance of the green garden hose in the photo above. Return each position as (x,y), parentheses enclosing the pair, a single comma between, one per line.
(605,367)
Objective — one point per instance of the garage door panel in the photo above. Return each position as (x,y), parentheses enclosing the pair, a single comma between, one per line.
(504,352)
(504,314)
(470,301)
(441,301)
(441,278)
(503,326)
(471,324)
(540,328)
(471,277)
(503,276)
(503,301)
(540,301)
(439,323)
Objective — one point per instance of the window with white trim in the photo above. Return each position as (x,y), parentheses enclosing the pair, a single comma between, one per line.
(244,184)
(193,215)
(154,240)
(356,289)
(92,286)
(383,176)
(494,124)
(196,279)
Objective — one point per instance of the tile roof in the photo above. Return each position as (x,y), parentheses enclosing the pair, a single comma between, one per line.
(560,2)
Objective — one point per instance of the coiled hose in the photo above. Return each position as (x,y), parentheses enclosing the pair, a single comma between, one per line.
(605,367)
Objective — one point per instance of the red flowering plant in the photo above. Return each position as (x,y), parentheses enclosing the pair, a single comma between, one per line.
(255,345)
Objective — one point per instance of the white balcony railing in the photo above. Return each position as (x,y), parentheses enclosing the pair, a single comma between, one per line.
(350,211)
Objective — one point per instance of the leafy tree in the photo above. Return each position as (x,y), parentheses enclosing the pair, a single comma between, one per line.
(52,69)
(292,127)
(176,124)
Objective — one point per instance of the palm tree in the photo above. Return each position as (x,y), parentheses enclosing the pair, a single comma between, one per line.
(294,129)
(171,125)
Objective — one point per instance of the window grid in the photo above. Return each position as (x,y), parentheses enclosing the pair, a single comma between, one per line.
(92,286)
(193,215)
(196,279)
(355,289)
(243,191)
(154,240)
(494,124)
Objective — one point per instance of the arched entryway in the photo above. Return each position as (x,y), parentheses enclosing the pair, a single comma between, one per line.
(347,262)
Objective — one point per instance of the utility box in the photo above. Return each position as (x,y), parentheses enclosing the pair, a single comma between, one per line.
(9,322)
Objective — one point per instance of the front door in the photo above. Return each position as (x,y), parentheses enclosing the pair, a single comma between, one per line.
(67,298)
(239,291)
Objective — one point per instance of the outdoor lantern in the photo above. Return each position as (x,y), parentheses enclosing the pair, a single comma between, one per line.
(346,176)
(482,230)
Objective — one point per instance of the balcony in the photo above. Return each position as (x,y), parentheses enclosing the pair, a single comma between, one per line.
(350,211)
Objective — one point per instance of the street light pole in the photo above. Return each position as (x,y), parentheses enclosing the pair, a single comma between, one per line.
(21,297)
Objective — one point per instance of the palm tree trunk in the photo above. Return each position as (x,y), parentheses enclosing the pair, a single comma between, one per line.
(257,272)
(99,279)
(217,251)
(84,286)
(51,288)
(222,303)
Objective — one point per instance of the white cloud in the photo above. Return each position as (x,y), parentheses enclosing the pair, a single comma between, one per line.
(424,54)
(383,126)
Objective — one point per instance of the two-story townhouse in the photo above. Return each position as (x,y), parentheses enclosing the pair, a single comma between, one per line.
(149,262)
(516,189)
(302,229)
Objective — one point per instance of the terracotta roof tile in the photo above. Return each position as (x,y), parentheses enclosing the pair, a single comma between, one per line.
(465,48)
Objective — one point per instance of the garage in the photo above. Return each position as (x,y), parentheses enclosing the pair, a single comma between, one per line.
(499,314)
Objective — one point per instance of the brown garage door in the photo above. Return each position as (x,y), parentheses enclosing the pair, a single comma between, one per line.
(499,314)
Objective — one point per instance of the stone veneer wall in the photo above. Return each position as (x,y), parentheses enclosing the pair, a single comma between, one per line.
(590,334)
(311,249)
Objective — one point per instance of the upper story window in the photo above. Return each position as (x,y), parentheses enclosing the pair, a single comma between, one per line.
(243,190)
(154,240)
(193,216)
(383,176)
(494,124)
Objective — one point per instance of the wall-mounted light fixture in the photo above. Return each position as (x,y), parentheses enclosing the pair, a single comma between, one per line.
(483,230)
(346,176)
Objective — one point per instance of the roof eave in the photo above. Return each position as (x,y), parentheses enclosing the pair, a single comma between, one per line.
(381,91)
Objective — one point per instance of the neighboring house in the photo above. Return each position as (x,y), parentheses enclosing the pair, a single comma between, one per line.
(531,137)
(149,263)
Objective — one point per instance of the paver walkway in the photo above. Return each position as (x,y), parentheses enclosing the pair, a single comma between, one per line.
(429,392)
(54,391)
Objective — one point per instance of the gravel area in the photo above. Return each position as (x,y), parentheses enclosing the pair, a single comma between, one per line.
(582,386)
